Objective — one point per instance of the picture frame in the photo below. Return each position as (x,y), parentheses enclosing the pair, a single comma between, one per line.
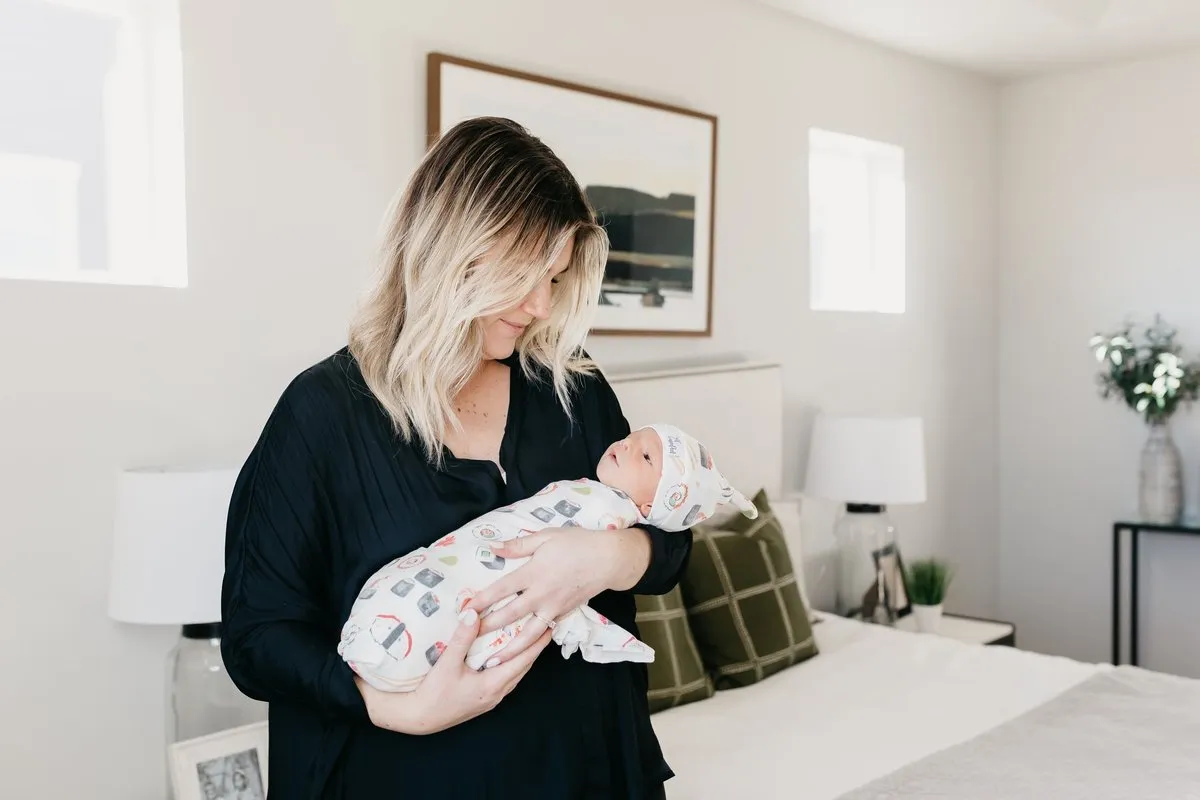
(649,169)
(889,566)
(228,764)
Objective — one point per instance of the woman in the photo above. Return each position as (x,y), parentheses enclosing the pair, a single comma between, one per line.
(464,387)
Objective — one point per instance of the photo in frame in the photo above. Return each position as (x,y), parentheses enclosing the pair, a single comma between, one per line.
(229,764)
(889,568)
(648,168)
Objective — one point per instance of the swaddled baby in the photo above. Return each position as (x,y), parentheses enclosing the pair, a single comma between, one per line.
(408,610)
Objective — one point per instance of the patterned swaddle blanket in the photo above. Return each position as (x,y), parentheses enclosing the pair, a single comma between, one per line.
(409,608)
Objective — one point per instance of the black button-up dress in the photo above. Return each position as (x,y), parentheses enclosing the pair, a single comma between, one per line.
(329,494)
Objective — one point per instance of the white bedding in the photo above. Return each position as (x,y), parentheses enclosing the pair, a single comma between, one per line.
(872,701)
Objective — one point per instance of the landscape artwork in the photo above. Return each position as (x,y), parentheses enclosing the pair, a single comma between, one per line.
(647,168)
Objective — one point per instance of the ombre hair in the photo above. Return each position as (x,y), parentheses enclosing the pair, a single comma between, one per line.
(479,225)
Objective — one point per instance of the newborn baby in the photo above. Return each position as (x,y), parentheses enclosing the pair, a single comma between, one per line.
(398,626)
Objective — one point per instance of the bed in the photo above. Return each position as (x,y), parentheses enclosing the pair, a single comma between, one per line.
(886,713)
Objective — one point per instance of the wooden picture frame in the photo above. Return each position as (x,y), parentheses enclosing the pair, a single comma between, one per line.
(639,160)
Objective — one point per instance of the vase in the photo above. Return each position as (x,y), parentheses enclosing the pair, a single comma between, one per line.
(927,617)
(1160,487)
(866,564)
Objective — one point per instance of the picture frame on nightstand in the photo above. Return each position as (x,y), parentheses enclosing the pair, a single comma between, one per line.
(889,566)
(230,763)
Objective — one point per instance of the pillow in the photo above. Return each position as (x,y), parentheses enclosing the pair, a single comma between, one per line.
(743,601)
(677,675)
(788,513)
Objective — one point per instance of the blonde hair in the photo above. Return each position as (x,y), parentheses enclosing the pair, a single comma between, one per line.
(478,226)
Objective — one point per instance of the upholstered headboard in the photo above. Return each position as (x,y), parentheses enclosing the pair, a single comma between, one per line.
(735,409)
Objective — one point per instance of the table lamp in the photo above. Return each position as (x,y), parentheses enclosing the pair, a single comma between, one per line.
(168,564)
(867,464)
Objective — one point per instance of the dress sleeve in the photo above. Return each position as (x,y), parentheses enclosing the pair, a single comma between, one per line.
(277,638)
(669,550)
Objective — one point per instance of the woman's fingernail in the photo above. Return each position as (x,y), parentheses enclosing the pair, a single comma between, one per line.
(491,662)
(468,617)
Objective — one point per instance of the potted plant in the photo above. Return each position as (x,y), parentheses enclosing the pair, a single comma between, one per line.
(927,582)
(1152,378)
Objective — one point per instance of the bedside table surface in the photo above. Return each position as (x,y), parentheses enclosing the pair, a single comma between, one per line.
(965,629)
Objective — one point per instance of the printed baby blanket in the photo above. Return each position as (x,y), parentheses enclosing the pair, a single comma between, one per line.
(409,608)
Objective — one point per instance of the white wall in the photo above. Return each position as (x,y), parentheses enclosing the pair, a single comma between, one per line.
(301,121)
(1100,202)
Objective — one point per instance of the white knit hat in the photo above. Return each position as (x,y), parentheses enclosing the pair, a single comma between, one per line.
(691,487)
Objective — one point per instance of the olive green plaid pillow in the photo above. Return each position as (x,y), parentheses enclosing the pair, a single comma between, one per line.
(744,605)
(677,675)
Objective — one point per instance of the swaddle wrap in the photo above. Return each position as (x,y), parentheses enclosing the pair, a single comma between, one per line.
(408,610)
(691,487)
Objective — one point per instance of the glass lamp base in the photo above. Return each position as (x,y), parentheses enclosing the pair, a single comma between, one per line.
(202,698)
(867,586)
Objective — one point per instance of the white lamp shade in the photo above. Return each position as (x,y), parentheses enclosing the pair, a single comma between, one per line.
(169,546)
(870,460)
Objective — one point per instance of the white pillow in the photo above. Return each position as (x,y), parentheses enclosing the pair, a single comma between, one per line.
(788,514)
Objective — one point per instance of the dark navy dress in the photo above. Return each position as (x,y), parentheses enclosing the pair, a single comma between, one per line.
(327,496)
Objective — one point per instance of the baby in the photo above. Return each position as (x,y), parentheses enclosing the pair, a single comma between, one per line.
(398,626)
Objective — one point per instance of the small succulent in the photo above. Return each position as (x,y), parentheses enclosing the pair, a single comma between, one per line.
(1151,378)
(927,581)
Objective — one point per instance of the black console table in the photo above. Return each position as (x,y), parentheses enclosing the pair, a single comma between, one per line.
(1135,530)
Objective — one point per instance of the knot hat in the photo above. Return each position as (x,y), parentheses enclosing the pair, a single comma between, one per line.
(691,487)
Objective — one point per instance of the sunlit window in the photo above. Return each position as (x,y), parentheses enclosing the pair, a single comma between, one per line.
(857,224)
(91,142)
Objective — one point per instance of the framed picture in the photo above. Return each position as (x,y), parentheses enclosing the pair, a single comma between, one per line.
(648,168)
(230,765)
(890,571)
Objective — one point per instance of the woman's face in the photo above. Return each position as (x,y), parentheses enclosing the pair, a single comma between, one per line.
(501,331)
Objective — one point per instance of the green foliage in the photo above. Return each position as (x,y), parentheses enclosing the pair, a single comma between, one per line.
(1152,377)
(927,581)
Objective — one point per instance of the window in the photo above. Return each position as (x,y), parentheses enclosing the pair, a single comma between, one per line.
(91,142)
(856,236)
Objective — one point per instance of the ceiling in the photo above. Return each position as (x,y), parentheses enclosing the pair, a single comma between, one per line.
(1012,38)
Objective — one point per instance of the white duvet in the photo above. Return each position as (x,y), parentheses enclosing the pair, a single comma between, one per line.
(874,700)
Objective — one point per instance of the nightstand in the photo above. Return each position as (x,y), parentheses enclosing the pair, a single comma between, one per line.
(967,629)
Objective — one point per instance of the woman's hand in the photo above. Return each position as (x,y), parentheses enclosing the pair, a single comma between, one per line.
(567,567)
(451,692)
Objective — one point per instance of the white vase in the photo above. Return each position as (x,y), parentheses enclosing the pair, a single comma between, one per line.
(928,617)
(1160,484)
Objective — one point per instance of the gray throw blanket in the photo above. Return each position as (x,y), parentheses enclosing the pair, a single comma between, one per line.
(1126,734)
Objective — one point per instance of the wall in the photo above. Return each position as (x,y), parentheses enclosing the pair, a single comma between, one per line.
(1100,193)
(301,121)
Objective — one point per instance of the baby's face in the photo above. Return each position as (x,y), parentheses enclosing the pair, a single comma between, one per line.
(634,465)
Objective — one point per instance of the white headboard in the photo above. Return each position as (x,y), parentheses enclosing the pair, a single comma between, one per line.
(735,409)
